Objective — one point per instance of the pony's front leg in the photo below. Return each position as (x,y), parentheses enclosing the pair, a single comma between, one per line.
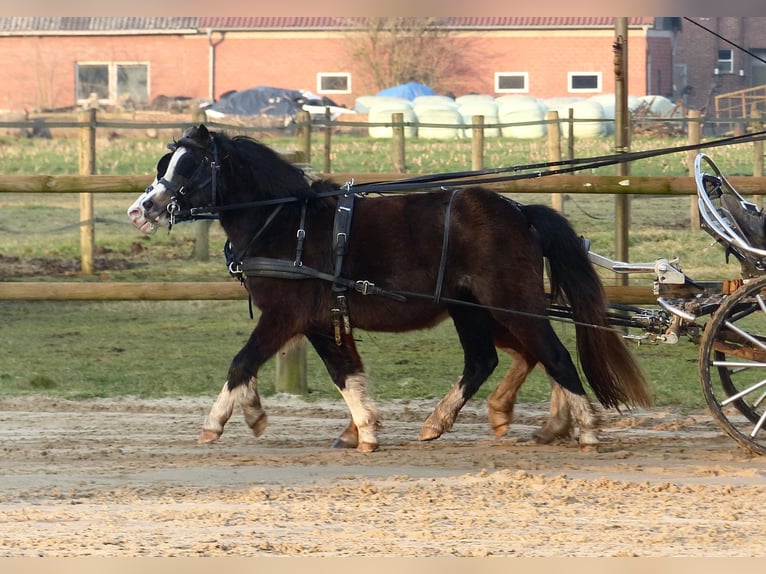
(345,367)
(270,334)
(247,397)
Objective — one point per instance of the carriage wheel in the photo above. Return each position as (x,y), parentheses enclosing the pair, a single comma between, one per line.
(732,365)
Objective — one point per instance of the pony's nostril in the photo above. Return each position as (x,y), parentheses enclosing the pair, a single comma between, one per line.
(148,204)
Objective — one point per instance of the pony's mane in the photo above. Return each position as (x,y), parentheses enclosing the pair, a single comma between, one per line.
(261,169)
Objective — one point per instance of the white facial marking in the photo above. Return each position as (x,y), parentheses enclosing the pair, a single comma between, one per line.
(158,195)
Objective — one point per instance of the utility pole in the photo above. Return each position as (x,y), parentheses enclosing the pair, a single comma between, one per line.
(621,139)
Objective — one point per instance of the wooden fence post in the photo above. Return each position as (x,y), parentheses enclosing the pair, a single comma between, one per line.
(303,118)
(291,368)
(397,142)
(694,137)
(477,143)
(570,137)
(327,140)
(87,166)
(757,150)
(554,152)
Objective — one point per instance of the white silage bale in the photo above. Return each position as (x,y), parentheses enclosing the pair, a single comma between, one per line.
(424,103)
(516,102)
(381,112)
(441,116)
(473,98)
(434,101)
(519,109)
(480,107)
(661,106)
(583,110)
(526,131)
(363,104)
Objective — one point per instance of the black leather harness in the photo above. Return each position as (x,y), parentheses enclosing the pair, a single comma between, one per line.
(284,269)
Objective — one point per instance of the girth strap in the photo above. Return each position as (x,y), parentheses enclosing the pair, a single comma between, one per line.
(281,269)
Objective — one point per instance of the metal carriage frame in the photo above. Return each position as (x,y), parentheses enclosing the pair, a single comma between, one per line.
(727,319)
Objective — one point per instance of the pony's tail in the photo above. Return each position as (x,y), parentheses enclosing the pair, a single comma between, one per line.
(610,367)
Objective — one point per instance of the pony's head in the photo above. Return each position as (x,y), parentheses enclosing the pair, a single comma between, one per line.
(186,178)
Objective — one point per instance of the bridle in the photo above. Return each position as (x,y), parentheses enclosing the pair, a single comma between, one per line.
(180,208)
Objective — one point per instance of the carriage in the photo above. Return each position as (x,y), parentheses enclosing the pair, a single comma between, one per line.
(315,260)
(727,319)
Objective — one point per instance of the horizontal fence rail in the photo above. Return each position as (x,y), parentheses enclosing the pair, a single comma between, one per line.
(291,364)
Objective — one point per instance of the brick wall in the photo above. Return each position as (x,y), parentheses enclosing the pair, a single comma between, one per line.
(41,72)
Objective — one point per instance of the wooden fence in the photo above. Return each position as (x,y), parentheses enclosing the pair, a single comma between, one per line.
(87,183)
(291,363)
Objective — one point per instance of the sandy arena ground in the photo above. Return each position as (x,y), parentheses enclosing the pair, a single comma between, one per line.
(126,478)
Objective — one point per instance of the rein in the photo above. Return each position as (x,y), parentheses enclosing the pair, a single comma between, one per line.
(466,178)
(295,270)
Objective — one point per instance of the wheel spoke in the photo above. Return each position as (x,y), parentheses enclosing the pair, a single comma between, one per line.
(745,335)
(741,394)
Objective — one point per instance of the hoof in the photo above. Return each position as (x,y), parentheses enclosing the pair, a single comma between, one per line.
(542,438)
(429,433)
(500,430)
(208,436)
(588,438)
(342,443)
(367,447)
(259,426)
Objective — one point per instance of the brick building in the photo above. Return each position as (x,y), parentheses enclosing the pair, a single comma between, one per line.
(709,61)
(57,62)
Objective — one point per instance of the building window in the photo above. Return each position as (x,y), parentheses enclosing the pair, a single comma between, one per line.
(725,63)
(112,82)
(584,82)
(511,82)
(333,83)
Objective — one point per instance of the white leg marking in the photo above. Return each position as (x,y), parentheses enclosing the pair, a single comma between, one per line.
(250,401)
(443,416)
(219,413)
(585,417)
(363,412)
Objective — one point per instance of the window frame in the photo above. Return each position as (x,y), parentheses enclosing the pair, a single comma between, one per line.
(599,83)
(112,68)
(323,75)
(523,75)
(728,62)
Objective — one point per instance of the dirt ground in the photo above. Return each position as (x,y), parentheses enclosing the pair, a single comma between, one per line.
(126,478)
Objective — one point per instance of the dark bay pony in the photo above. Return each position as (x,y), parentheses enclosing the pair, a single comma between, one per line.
(318,260)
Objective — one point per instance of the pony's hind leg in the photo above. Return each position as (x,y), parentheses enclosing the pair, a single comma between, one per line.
(502,400)
(559,423)
(475,328)
(568,398)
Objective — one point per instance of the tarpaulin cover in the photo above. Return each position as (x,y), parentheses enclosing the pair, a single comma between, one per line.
(408,91)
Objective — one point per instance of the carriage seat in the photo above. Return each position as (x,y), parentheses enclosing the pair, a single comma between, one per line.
(739,225)
(748,218)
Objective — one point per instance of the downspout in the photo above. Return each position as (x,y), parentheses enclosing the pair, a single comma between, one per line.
(211,61)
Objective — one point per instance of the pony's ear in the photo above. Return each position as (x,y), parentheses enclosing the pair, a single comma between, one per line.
(197,136)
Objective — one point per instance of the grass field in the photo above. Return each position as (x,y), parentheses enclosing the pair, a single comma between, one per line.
(83,349)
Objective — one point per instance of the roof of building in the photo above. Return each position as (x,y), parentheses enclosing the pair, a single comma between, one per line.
(162,24)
